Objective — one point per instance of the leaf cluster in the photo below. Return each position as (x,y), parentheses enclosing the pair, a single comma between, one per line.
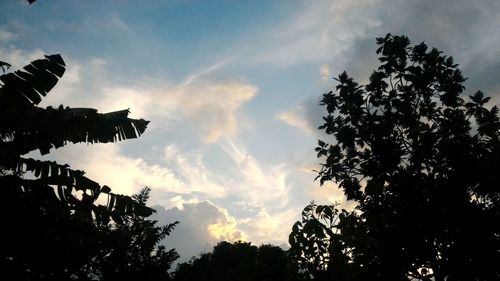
(326,243)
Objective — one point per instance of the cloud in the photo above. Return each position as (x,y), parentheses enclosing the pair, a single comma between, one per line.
(105,164)
(297,117)
(181,175)
(306,116)
(191,169)
(318,31)
(255,184)
(206,104)
(325,72)
(116,22)
(6,35)
(274,228)
(329,194)
(202,225)
(18,58)
(213,105)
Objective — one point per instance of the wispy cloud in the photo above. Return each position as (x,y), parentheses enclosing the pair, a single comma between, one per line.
(319,31)
(18,57)
(306,116)
(296,117)
(125,175)
(257,185)
(6,35)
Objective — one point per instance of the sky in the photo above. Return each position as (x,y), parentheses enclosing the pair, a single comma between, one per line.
(232,90)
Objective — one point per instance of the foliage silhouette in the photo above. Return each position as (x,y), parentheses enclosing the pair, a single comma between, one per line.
(132,249)
(240,261)
(27,127)
(54,226)
(422,165)
(323,241)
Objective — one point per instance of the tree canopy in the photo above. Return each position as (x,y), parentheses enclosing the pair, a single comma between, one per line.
(240,261)
(420,161)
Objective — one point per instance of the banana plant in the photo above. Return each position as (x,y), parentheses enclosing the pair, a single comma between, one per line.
(26,127)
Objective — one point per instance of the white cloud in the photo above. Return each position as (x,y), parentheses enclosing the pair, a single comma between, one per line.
(19,58)
(202,225)
(256,184)
(213,105)
(106,164)
(191,169)
(181,178)
(266,227)
(210,107)
(296,117)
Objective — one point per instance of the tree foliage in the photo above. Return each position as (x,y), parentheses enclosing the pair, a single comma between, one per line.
(421,162)
(132,252)
(54,226)
(323,242)
(240,261)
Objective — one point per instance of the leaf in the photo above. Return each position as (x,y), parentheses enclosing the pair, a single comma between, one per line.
(105,189)
(111,202)
(49,128)
(24,89)
(141,210)
(4,66)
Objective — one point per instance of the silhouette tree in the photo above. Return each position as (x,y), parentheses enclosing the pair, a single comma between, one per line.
(54,227)
(240,261)
(323,244)
(132,249)
(422,164)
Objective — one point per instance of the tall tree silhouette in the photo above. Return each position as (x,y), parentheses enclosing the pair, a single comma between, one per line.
(53,225)
(422,164)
